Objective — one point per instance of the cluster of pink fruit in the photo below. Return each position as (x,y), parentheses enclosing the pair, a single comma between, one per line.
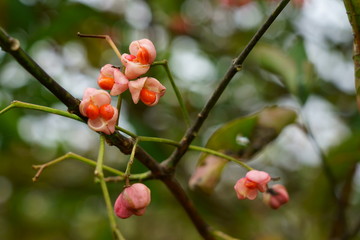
(96,104)
(257,181)
(102,117)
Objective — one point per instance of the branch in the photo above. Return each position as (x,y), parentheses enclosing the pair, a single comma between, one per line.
(174,186)
(234,68)
(70,155)
(353,12)
(18,104)
(340,228)
(125,145)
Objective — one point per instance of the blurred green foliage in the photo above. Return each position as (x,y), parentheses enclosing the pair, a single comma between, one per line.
(199,38)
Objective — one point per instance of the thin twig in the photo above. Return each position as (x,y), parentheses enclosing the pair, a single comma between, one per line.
(107,38)
(136,177)
(18,104)
(71,155)
(118,106)
(223,235)
(340,227)
(130,163)
(180,195)
(100,176)
(354,232)
(234,68)
(196,148)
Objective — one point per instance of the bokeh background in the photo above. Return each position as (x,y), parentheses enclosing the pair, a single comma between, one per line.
(303,61)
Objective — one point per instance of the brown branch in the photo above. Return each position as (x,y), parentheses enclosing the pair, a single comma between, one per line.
(354,232)
(340,228)
(353,12)
(12,46)
(179,193)
(234,68)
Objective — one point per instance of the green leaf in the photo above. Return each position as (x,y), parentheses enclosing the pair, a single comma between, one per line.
(245,136)
(226,136)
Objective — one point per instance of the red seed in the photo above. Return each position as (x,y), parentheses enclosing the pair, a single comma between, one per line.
(106,111)
(250,184)
(130,57)
(92,111)
(143,56)
(148,97)
(106,83)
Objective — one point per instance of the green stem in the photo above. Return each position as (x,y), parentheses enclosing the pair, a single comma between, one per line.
(138,177)
(116,232)
(219,154)
(100,159)
(195,148)
(185,113)
(118,108)
(131,161)
(159,140)
(18,104)
(223,235)
(133,135)
(100,176)
(88,161)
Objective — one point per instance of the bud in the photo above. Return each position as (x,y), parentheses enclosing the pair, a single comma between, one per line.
(147,89)
(276,196)
(133,200)
(254,181)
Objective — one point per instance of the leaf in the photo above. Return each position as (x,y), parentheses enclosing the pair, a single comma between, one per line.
(207,174)
(241,138)
(245,136)
(228,135)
